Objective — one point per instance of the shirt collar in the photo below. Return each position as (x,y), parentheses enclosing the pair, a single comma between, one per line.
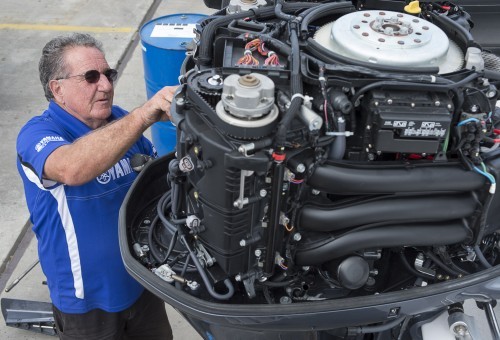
(69,122)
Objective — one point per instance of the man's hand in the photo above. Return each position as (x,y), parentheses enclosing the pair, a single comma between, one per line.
(158,107)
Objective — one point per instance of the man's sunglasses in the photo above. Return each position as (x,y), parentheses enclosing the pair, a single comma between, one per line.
(93,76)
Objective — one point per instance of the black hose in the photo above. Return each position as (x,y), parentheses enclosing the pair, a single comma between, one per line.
(162,205)
(337,148)
(204,276)
(490,74)
(483,219)
(453,29)
(279,12)
(154,252)
(322,11)
(441,264)
(367,71)
(184,268)
(328,218)
(337,178)
(276,45)
(435,87)
(376,329)
(481,257)
(171,246)
(457,268)
(295,88)
(428,234)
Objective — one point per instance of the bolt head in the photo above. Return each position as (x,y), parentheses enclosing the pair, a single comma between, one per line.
(285,300)
(258,252)
(301,168)
(297,237)
(460,330)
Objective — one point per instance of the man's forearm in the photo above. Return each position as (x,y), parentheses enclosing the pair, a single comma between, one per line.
(93,154)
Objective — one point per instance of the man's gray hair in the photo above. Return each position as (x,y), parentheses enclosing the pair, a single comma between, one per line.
(52,66)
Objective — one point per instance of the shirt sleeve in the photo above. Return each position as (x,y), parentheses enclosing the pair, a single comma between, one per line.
(35,142)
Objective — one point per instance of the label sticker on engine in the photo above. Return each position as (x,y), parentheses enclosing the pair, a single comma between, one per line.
(399,123)
(412,132)
(173,31)
(428,125)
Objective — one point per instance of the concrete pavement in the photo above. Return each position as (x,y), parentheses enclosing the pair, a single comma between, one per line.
(25,27)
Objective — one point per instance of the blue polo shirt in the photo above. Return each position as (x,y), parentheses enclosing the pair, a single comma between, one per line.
(77,226)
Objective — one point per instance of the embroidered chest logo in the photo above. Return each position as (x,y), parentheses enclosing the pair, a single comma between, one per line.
(104,178)
(120,169)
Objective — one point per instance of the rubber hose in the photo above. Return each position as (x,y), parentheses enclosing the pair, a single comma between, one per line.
(447,24)
(428,234)
(295,88)
(372,180)
(492,74)
(389,210)
(337,149)
(401,85)
(156,255)
(205,278)
(441,264)
(322,11)
(481,257)
(376,329)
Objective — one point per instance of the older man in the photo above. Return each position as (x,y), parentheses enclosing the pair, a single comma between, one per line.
(74,160)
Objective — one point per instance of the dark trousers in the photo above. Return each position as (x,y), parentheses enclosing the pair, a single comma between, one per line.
(145,319)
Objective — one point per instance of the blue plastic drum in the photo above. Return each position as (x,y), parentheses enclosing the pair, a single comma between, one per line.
(164,41)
